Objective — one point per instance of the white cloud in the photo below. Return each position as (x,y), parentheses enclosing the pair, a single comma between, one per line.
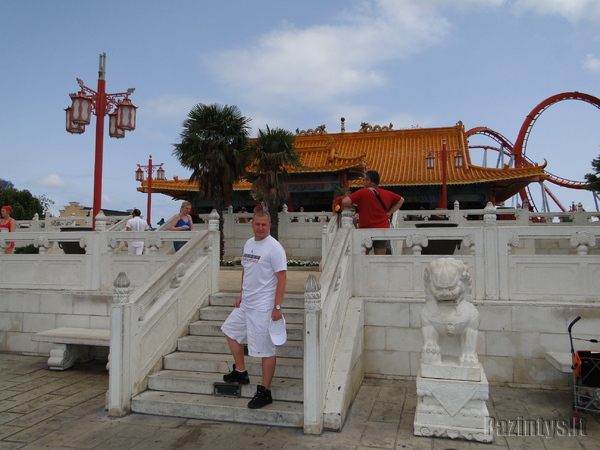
(572,10)
(51,180)
(592,63)
(317,64)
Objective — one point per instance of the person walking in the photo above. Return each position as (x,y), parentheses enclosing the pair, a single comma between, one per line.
(264,276)
(182,222)
(375,206)
(136,223)
(7,224)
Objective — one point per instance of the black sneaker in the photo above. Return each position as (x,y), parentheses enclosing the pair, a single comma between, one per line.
(237,377)
(261,398)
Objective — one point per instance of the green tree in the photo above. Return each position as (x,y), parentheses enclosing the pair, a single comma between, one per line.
(214,145)
(594,178)
(273,152)
(23,203)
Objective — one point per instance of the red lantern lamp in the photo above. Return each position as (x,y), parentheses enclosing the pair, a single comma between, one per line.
(113,130)
(430,162)
(139,174)
(72,127)
(126,115)
(160,174)
(82,108)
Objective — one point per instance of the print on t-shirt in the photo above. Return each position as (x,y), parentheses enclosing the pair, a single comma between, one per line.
(249,257)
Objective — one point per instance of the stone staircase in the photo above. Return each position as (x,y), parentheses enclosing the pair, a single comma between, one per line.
(186,385)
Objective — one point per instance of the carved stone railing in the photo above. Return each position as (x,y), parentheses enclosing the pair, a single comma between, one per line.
(323,327)
(145,324)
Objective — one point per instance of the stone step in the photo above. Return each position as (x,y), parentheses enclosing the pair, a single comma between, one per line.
(290,301)
(220,313)
(217,344)
(285,389)
(223,363)
(295,331)
(209,407)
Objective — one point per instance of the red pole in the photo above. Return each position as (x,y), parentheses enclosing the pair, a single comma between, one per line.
(443,202)
(100,113)
(149,209)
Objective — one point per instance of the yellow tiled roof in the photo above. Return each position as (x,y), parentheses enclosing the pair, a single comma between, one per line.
(398,155)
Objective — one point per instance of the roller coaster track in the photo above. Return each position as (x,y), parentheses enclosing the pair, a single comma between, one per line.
(521,142)
(517,151)
(563,182)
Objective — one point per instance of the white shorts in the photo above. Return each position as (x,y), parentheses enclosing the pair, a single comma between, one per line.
(135,249)
(251,325)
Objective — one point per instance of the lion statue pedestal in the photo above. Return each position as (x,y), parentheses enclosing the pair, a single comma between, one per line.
(451,385)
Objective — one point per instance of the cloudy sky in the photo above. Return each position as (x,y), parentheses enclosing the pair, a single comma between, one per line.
(425,63)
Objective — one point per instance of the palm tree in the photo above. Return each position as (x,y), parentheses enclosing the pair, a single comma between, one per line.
(214,144)
(594,178)
(273,152)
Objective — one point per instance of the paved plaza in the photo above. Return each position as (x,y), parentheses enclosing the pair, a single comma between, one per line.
(40,408)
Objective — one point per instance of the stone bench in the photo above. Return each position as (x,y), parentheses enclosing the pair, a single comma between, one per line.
(562,361)
(72,345)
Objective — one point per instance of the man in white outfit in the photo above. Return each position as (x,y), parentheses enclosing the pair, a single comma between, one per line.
(264,277)
(136,223)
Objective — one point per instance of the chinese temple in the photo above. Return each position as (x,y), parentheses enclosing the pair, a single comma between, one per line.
(430,167)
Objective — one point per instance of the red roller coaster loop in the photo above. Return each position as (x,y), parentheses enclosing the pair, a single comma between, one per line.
(518,149)
(521,142)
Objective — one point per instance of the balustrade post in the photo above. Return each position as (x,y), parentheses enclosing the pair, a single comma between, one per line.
(583,240)
(100,221)
(284,221)
(313,372)
(213,220)
(119,380)
(347,219)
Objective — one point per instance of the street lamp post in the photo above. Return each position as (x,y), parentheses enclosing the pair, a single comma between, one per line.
(122,116)
(458,163)
(160,176)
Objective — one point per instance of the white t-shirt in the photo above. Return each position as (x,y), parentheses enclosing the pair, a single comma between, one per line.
(261,260)
(137,224)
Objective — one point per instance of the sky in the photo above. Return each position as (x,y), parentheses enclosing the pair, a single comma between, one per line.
(293,65)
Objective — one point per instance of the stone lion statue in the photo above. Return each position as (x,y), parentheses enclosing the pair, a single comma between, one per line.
(449,311)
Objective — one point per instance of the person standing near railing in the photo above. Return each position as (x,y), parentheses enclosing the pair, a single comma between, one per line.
(7,224)
(375,206)
(136,224)
(264,277)
(182,222)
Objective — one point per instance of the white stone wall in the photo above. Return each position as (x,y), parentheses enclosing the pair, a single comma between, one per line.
(24,313)
(513,339)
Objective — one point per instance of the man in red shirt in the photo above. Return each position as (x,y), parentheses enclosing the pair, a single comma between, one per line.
(375,206)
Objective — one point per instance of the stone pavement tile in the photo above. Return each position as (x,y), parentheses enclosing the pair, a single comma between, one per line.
(120,442)
(45,383)
(220,435)
(525,442)
(6,417)
(157,421)
(35,403)
(39,415)
(378,434)
(413,442)
(10,445)
(62,436)
(82,396)
(39,431)
(5,405)
(8,430)
(161,438)
(386,412)
(96,404)
(93,436)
